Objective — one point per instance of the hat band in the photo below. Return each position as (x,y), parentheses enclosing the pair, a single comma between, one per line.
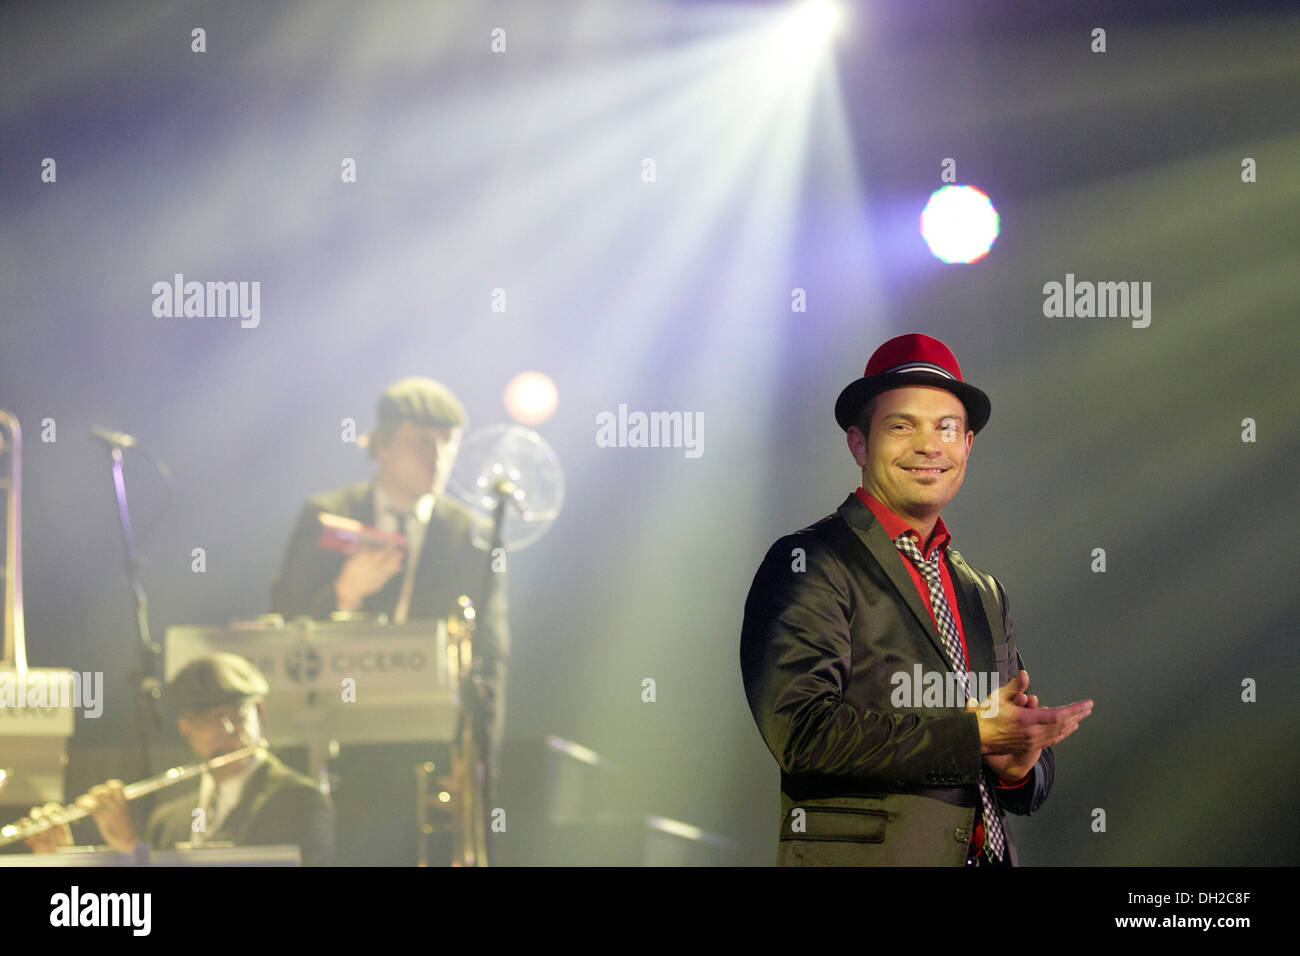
(919,367)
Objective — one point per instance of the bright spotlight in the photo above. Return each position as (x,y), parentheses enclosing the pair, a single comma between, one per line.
(813,22)
(531,397)
(959,224)
(792,44)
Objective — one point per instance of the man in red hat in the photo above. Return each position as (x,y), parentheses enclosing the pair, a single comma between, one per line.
(854,628)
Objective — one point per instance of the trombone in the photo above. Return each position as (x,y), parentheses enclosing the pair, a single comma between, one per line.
(15,641)
(468,779)
(14,832)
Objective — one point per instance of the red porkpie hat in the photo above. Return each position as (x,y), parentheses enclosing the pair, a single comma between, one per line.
(912,359)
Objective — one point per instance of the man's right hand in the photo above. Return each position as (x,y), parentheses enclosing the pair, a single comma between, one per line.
(364,573)
(107,804)
(1011,723)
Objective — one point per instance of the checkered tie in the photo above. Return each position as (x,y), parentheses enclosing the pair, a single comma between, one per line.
(403,607)
(995,841)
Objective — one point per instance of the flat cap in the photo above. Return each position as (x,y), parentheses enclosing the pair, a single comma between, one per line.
(213,680)
(421,400)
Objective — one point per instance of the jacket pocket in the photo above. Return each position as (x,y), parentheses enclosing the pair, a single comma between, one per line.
(839,824)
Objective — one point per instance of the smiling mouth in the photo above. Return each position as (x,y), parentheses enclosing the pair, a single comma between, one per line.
(926,471)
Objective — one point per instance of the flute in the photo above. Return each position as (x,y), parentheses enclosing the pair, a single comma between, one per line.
(13,832)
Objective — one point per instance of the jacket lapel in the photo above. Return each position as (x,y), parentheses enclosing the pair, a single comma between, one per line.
(235,823)
(174,827)
(890,560)
(363,502)
(972,609)
(976,622)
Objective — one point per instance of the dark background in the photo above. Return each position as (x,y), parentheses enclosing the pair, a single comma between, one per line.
(522,171)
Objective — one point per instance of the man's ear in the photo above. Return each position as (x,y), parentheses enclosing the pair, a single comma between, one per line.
(454,441)
(857,445)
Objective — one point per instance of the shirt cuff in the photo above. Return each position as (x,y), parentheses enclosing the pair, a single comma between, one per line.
(1002,785)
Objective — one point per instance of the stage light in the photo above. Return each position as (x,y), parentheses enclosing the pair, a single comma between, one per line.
(793,43)
(530,398)
(813,23)
(959,224)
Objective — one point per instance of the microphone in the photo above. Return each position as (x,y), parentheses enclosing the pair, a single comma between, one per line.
(504,488)
(111,438)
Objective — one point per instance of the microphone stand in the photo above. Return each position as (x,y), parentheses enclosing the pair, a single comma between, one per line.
(503,491)
(148,687)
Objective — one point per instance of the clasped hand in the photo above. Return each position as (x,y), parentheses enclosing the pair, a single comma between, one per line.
(1014,730)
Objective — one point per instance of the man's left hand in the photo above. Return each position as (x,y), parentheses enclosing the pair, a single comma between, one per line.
(1012,768)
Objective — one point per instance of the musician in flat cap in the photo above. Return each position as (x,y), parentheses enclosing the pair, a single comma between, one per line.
(253,801)
(419,424)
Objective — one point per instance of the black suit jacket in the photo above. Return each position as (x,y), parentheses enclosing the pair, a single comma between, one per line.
(278,805)
(874,783)
(450,565)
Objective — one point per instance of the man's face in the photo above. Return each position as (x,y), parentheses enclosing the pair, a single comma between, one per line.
(418,459)
(913,458)
(219,730)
